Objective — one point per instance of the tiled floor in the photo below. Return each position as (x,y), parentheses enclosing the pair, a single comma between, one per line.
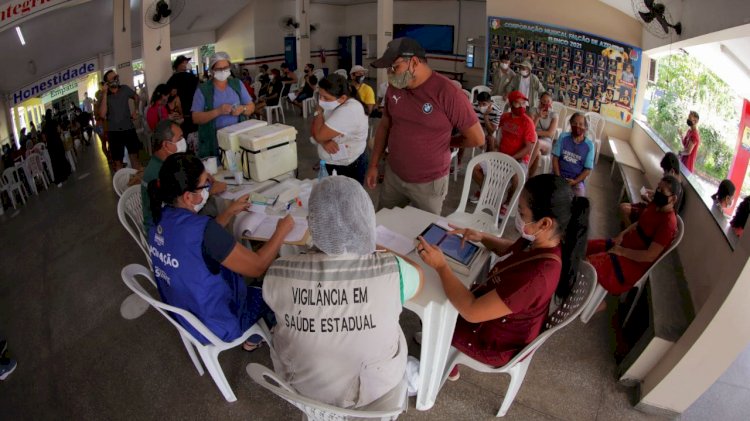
(60,294)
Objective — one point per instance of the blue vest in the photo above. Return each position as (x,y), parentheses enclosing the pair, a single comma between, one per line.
(184,280)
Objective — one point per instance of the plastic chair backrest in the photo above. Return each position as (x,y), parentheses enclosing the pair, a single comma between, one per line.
(130,212)
(467,93)
(10,176)
(121,179)
(313,409)
(35,164)
(129,274)
(477,89)
(675,242)
(342,72)
(500,169)
(596,124)
(319,74)
(562,112)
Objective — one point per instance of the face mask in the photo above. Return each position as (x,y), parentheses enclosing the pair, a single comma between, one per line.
(504,66)
(204,197)
(546,107)
(518,111)
(401,81)
(222,75)
(114,83)
(181,145)
(328,105)
(359,79)
(188,67)
(577,131)
(307,71)
(483,109)
(520,225)
(660,199)
(271,78)
(525,73)
(690,123)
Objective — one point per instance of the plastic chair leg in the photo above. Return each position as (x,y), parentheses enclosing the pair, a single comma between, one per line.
(632,306)
(517,374)
(593,303)
(211,360)
(191,351)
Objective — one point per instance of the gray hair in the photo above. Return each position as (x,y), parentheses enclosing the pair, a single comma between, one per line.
(162,132)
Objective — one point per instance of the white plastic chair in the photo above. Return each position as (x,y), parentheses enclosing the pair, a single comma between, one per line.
(121,179)
(342,72)
(130,212)
(318,411)
(476,90)
(35,168)
(596,131)
(309,104)
(499,101)
(209,353)
(319,74)
(467,93)
(562,112)
(500,168)
(41,149)
(601,293)
(581,293)
(275,111)
(12,183)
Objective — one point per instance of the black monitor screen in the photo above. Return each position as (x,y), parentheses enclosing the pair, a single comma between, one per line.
(436,39)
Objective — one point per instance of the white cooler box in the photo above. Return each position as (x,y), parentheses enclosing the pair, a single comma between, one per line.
(268,151)
(228,137)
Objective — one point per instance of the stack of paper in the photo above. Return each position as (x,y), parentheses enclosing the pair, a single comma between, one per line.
(261,226)
(393,241)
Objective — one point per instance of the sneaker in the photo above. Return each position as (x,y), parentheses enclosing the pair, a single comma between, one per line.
(418,338)
(454,374)
(475,198)
(7,366)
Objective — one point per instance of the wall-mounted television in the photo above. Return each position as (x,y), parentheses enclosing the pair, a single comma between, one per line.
(437,39)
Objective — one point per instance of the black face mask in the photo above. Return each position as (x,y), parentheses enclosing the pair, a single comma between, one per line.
(660,199)
(690,123)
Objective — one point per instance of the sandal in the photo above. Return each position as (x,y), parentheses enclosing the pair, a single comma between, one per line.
(250,347)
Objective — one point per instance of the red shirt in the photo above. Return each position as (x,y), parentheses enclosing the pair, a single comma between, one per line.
(517,131)
(693,136)
(658,227)
(422,122)
(155,114)
(526,289)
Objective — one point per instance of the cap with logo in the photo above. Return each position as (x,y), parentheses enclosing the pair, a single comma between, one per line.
(399,47)
(516,95)
(218,56)
(179,60)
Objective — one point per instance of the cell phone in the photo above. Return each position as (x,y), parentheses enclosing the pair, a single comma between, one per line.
(450,244)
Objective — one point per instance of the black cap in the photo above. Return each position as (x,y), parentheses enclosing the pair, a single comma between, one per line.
(399,47)
(179,60)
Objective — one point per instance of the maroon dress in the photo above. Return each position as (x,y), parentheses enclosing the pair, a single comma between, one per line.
(525,281)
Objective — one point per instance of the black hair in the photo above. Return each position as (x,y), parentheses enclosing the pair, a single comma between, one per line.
(179,173)
(337,85)
(551,196)
(162,132)
(310,65)
(503,56)
(695,114)
(578,114)
(312,80)
(264,66)
(726,189)
(674,186)
(484,96)
(107,74)
(547,93)
(670,162)
(743,211)
(284,66)
(161,89)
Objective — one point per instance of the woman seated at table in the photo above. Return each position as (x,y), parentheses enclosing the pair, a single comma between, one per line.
(340,128)
(198,265)
(504,314)
(338,339)
(620,262)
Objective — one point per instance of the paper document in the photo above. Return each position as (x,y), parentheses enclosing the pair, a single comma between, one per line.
(234,193)
(262,226)
(393,240)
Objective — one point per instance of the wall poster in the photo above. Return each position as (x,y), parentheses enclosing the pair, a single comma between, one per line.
(583,71)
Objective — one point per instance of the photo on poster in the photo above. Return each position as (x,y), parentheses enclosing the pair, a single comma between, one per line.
(602,63)
(587,89)
(588,71)
(530,46)
(611,79)
(584,104)
(550,78)
(495,41)
(577,69)
(599,94)
(539,74)
(520,41)
(609,95)
(573,100)
(552,63)
(599,76)
(578,57)
(506,51)
(564,67)
(627,75)
(554,51)
(563,84)
(596,106)
(539,62)
(590,59)
(507,41)
(495,54)
(625,97)
(566,53)
(575,86)
(541,47)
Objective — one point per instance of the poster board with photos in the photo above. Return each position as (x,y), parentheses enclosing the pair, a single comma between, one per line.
(583,71)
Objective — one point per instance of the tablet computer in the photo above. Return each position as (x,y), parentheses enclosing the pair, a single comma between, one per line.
(450,244)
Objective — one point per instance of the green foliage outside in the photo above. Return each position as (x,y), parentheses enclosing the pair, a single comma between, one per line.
(688,85)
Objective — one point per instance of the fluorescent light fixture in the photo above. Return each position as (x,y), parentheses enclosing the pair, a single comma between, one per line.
(20,35)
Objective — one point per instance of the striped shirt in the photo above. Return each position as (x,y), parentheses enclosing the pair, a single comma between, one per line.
(494,115)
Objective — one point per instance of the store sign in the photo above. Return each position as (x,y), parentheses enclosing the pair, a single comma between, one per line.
(13,12)
(59,92)
(52,81)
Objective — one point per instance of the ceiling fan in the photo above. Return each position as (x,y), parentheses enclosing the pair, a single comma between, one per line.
(656,18)
(163,12)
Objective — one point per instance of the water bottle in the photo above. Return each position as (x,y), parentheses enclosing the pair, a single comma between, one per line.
(322,172)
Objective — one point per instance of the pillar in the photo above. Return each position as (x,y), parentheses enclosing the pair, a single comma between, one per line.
(385,33)
(122,41)
(303,32)
(156,48)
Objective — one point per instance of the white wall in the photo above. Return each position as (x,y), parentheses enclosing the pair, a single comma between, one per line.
(237,36)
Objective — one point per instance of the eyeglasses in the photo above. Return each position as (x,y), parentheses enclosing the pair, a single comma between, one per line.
(206,186)
(392,69)
(221,69)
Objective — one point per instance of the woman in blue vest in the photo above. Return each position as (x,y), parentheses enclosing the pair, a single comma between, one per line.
(198,265)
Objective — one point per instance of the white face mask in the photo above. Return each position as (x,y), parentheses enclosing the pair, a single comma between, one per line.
(520,225)
(328,105)
(525,73)
(204,197)
(483,109)
(181,145)
(188,67)
(504,66)
(222,75)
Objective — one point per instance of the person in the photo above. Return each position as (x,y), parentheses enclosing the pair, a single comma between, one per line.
(219,103)
(184,82)
(198,265)
(88,103)
(51,136)
(287,75)
(422,110)
(724,195)
(157,109)
(621,261)
(84,121)
(627,74)
(307,91)
(308,70)
(120,129)
(740,217)
(270,94)
(528,84)
(364,91)
(354,351)
(262,76)
(22,136)
(340,128)
(505,313)
(545,121)
(573,154)
(100,123)
(7,365)
(690,142)
(502,76)
(631,212)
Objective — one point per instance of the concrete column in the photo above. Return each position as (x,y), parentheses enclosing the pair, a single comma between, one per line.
(385,32)
(303,32)
(122,41)
(156,48)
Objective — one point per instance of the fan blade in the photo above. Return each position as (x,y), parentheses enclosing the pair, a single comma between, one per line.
(649,4)
(677,28)
(647,17)
(663,22)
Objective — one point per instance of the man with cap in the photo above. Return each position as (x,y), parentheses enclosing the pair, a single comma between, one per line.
(185,82)
(364,91)
(422,110)
(518,136)
(218,103)
(115,109)
(528,84)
